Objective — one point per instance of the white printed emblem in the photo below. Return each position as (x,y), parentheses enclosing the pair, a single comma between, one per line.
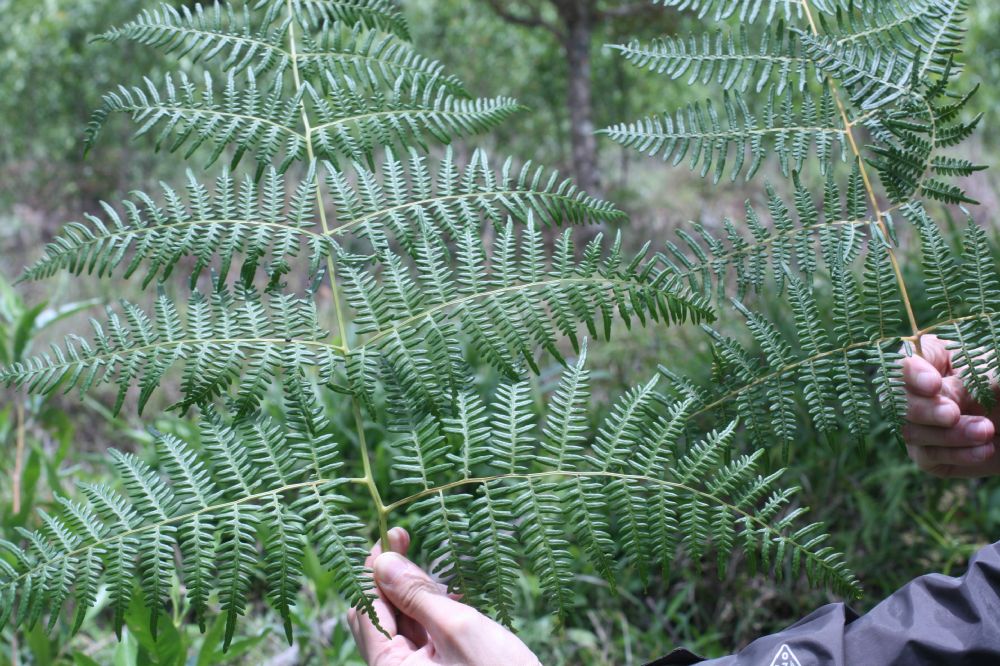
(785,657)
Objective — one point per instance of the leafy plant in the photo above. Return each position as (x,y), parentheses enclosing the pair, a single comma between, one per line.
(420,255)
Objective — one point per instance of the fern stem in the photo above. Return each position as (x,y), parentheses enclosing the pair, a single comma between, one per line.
(18,457)
(369,477)
(359,421)
(311,154)
(866,177)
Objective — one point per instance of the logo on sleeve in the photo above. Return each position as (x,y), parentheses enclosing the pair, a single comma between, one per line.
(785,657)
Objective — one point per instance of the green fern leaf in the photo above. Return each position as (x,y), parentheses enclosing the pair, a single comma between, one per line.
(261,122)
(731,61)
(253,220)
(373,14)
(705,136)
(206,34)
(224,335)
(746,11)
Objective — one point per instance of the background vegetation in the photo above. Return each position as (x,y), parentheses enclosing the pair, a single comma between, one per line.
(892,522)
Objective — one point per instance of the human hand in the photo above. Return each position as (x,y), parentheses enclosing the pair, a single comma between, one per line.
(425,625)
(948,434)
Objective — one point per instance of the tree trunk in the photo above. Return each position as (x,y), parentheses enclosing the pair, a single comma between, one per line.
(578,19)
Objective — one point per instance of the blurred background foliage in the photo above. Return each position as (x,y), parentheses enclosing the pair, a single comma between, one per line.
(892,522)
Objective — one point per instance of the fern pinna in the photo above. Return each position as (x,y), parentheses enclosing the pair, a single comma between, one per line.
(861,104)
(334,195)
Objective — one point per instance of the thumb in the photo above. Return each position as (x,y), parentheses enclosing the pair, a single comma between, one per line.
(936,352)
(413,592)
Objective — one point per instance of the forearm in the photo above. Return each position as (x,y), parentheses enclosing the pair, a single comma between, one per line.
(932,620)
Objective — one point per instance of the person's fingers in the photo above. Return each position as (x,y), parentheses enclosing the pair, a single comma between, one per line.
(937,411)
(399,539)
(416,595)
(921,377)
(935,351)
(955,390)
(399,542)
(371,641)
(377,648)
(413,630)
(940,459)
(969,432)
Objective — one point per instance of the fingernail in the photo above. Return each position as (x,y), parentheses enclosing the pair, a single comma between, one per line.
(979,430)
(946,414)
(928,382)
(389,567)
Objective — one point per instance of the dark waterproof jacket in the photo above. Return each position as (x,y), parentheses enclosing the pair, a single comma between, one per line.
(933,621)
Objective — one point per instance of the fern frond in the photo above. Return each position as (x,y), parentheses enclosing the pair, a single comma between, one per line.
(535,505)
(218,525)
(260,121)
(444,528)
(353,123)
(373,14)
(872,78)
(443,196)
(240,42)
(826,365)
(491,518)
(513,422)
(345,53)
(508,312)
(708,262)
(223,337)
(257,221)
(962,294)
(909,141)
(885,53)
(609,506)
(565,430)
(204,34)
(705,135)
(746,11)
(732,60)
(427,258)
(929,29)
(265,123)
(423,451)
(980,360)
(244,489)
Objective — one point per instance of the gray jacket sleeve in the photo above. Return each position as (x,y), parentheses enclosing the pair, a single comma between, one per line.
(931,621)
